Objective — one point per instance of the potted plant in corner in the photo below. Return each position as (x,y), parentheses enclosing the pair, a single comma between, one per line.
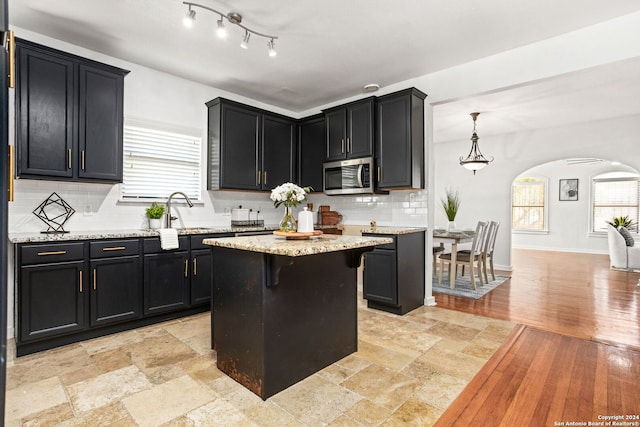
(450,204)
(155,214)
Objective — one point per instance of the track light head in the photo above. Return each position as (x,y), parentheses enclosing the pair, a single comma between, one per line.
(272,48)
(189,18)
(245,40)
(221,31)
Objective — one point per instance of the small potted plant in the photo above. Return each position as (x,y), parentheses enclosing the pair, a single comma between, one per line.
(155,214)
(623,221)
(450,204)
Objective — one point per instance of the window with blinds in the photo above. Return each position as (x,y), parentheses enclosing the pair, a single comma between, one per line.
(614,195)
(528,196)
(157,163)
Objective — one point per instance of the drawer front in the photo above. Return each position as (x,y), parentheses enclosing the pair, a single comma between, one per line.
(196,240)
(391,246)
(56,252)
(113,248)
(152,245)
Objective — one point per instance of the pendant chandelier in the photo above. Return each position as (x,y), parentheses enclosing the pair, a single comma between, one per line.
(475,160)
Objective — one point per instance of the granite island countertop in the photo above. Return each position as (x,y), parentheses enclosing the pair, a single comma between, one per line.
(275,245)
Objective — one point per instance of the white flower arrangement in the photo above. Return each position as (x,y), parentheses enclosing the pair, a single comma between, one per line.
(289,195)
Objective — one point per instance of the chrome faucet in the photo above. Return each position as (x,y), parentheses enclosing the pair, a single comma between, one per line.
(169,216)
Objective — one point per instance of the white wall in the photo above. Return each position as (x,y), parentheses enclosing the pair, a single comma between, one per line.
(487,195)
(568,222)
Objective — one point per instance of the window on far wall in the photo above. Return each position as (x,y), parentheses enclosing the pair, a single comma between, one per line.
(157,163)
(528,196)
(614,194)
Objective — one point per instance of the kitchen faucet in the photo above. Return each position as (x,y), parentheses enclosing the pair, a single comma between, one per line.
(169,217)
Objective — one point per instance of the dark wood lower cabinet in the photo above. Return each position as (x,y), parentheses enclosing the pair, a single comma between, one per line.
(166,280)
(394,274)
(201,276)
(51,300)
(114,290)
(71,291)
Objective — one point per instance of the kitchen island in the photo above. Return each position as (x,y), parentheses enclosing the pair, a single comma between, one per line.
(284,309)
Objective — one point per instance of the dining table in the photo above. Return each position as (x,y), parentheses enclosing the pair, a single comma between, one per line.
(453,237)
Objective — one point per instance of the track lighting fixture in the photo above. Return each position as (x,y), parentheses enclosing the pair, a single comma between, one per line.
(233,18)
(475,160)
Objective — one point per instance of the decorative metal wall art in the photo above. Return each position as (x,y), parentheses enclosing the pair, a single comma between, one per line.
(54,212)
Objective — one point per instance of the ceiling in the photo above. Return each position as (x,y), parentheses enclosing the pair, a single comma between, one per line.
(329,50)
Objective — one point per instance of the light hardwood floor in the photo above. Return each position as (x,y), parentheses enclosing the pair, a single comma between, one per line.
(576,357)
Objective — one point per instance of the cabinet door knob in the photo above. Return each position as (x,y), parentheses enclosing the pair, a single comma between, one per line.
(94,279)
(265,178)
(342,145)
(186,267)
(80,281)
(195,266)
(69,158)
(379,173)
(259,175)
(82,153)
(348,145)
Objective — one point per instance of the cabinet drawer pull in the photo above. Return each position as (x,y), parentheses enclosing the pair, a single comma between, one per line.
(115,248)
(259,175)
(342,145)
(69,158)
(94,279)
(82,159)
(195,266)
(80,281)
(52,253)
(186,267)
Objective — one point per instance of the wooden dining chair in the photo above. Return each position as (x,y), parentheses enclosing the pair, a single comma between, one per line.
(487,253)
(487,249)
(436,255)
(471,258)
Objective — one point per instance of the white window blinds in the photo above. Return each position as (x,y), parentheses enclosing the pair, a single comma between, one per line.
(157,163)
(614,197)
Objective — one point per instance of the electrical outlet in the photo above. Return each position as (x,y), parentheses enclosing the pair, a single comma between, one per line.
(87,210)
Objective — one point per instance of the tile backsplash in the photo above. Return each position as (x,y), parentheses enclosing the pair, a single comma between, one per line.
(98,207)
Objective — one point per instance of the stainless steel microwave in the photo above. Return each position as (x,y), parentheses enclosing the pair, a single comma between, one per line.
(353,176)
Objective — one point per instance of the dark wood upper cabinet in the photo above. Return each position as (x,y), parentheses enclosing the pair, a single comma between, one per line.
(278,151)
(400,140)
(69,116)
(311,148)
(248,148)
(350,130)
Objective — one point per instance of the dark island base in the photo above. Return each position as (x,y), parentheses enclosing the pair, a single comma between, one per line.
(278,319)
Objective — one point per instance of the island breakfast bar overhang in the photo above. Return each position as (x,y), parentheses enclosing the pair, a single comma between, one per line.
(284,309)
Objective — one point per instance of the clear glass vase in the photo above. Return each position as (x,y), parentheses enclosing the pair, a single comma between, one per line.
(288,222)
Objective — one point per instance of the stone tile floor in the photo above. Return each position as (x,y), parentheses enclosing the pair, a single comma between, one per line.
(407,371)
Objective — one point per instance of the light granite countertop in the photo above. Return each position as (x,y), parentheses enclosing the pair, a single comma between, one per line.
(35,237)
(393,230)
(275,245)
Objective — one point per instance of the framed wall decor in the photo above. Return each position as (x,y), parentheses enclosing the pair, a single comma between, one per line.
(568,189)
